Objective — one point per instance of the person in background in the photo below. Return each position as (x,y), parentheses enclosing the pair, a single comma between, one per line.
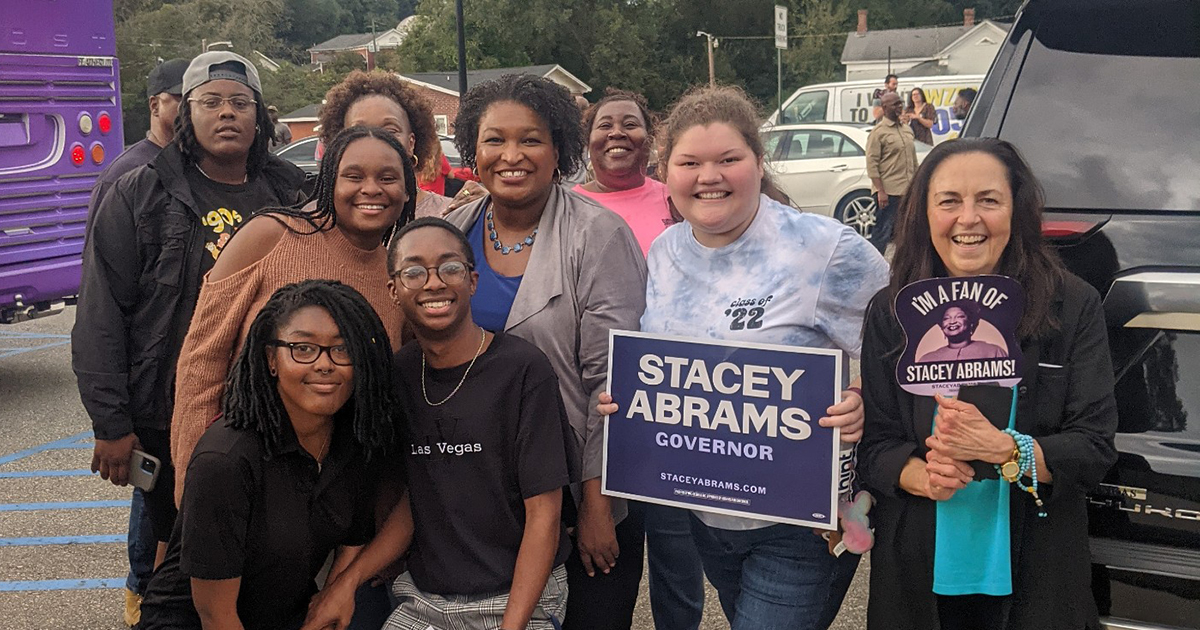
(814,276)
(620,138)
(381,99)
(953,552)
(920,115)
(481,518)
(891,162)
(962,103)
(164,87)
(283,133)
(560,271)
(275,483)
(152,238)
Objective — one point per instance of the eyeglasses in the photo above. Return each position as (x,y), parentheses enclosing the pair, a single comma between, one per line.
(305,352)
(214,103)
(451,272)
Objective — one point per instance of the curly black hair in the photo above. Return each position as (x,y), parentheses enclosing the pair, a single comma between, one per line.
(613,95)
(394,244)
(359,84)
(264,132)
(252,399)
(323,216)
(549,100)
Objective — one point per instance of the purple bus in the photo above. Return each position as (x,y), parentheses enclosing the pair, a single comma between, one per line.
(60,124)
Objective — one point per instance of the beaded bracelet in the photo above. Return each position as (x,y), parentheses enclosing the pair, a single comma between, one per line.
(1027,464)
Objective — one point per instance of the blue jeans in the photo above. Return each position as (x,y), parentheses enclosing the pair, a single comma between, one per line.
(676,573)
(777,577)
(141,544)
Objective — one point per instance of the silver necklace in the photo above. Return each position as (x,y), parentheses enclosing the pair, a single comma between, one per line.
(245,178)
(482,339)
(321,453)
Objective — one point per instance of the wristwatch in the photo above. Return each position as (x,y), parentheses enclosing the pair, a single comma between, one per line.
(1011,469)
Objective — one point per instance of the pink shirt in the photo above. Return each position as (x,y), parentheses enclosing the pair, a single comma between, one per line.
(644,208)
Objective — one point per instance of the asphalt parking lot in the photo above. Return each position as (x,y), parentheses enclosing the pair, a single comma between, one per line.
(62,529)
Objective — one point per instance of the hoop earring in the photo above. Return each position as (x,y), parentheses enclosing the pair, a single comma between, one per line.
(475,171)
(273,372)
(557,174)
(415,161)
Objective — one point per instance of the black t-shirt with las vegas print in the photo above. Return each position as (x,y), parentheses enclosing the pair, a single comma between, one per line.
(225,207)
(503,437)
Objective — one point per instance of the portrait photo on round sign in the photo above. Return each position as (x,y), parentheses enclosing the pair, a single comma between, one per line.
(959,331)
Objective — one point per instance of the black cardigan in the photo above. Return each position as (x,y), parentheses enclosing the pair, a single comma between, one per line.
(1071,412)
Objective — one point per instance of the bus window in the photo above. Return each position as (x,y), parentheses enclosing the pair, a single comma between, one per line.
(807,107)
(60,125)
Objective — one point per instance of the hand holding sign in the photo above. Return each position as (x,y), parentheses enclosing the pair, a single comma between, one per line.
(963,433)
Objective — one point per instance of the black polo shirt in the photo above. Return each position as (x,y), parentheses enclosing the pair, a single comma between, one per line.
(270,521)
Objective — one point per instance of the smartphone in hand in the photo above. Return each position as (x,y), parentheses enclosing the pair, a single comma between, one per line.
(143,470)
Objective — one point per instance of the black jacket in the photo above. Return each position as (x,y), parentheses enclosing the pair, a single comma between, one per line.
(143,263)
(1071,412)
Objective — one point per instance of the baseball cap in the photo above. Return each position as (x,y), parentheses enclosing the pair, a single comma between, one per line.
(220,64)
(167,77)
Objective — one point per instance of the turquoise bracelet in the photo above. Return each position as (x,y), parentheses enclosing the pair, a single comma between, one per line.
(1027,463)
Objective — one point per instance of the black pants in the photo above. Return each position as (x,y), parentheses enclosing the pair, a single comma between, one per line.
(606,601)
(160,502)
(972,612)
(885,222)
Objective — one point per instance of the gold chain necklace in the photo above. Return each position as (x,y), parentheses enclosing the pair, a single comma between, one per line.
(482,339)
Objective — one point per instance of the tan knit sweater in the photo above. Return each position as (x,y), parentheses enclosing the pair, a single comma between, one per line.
(227,308)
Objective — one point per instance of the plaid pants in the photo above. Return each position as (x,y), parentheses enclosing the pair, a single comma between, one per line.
(419,610)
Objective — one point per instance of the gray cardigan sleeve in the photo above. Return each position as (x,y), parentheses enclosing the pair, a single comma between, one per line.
(612,296)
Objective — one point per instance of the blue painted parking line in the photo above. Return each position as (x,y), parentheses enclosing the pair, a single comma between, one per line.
(98,539)
(67,442)
(29,335)
(4,354)
(61,505)
(60,585)
(27,474)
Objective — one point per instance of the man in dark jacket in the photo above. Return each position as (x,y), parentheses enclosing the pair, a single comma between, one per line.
(152,238)
(164,90)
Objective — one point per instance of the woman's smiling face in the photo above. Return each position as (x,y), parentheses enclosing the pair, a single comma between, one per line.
(715,180)
(515,154)
(617,141)
(970,213)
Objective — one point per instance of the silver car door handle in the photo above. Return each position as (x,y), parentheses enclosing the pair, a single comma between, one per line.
(838,169)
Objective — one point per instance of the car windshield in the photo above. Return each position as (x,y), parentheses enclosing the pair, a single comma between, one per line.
(1105,108)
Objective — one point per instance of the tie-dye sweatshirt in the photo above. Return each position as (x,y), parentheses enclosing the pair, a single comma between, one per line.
(792,278)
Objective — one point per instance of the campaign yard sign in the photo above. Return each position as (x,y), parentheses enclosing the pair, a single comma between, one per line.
(723,427)
(958,332)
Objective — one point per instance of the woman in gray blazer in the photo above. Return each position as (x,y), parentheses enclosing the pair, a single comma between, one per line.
(560,271)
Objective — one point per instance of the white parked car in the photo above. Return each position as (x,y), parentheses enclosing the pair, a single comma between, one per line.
(822,167)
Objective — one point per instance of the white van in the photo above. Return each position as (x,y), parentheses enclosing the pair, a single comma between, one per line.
(850,101)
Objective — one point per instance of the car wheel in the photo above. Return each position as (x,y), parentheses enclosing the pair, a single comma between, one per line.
(858,211)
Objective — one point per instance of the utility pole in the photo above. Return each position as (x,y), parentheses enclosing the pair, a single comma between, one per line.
(373,51)
(462,50)
(712,73)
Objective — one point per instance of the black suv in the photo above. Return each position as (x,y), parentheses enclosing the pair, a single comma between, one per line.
(1103,99)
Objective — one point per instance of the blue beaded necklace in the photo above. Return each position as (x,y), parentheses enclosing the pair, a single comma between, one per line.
(501,247)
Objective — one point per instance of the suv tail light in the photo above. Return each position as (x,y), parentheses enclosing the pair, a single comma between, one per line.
(1056,226)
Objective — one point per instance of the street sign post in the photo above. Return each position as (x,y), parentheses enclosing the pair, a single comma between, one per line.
(781,44)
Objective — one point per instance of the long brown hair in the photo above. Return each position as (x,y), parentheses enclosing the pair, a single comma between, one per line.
(1027,258)
(720,104)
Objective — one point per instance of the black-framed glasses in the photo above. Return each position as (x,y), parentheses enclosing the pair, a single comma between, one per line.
(452,273)
(307,352)
(212,103)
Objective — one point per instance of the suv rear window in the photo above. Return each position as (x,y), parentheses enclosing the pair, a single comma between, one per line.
(1105,107)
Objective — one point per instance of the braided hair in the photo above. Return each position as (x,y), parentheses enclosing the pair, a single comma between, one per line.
(252,400)
(323,216)
(189,144)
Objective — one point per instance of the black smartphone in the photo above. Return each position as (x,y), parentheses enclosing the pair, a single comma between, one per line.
(995,403)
